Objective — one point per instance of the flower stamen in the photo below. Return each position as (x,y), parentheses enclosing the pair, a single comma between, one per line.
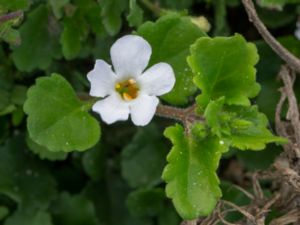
(128,89)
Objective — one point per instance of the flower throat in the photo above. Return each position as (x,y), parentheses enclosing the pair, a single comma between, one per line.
(128,89)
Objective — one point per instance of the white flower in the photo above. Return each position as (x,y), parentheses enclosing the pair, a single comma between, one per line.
(127,89)
(297,31)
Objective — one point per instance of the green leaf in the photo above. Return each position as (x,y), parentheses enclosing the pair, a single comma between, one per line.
(73,34)
(4,99)
(244,127)
(169,216)
(283,17)
(166,48)
(111,15)
(224,67)
(23,217)
(21,174)
(3,212)
(18,95)
(43,152)
(13,5)
(17,116)
(276,3)
(8,33)
(261,160)
(57,7)
(221,25)
(144,158)
(146,202)
(255,135)
(191,177)
(177,4)
(94,162)
(135,16)
(74,210)
(92,14)
(215,119)
(109,198)
(57,119)
(37,51)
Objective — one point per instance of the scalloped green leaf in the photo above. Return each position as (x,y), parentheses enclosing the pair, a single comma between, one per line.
(170,38)
(192,182)
(249,129)
(243,127)
(74,210)
(8,33)
(146,202)
(4,211)
(111,15)
(147,144)
(224,67)
(29,217)
(74,33)
(135,16)
(43,152)
(37,51)
(56,117)
(93,162)
(13,5)
(57,7)
(21,174)
(176,4)
(276,3)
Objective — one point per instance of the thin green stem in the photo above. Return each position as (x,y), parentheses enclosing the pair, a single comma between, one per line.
(152,7)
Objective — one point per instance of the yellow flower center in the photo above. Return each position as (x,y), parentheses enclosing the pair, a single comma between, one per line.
(128,89)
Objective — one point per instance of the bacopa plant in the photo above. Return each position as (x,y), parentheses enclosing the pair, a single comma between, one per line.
(139,112)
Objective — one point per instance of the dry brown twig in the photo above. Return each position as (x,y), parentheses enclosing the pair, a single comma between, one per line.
(289,218)
(290,128)
(286,199)
(281,51)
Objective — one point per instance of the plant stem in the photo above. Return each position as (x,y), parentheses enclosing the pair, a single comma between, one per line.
(186,115)
(191,222)
(152,6)
(281,51)
(170,112)
(11,16)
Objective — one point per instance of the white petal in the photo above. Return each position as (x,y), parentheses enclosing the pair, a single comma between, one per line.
(130,55)
(143,109)
(102,79)
(157,80)
(297,33)
(112,109)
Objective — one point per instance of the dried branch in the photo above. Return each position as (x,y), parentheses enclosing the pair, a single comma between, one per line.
(241,210)
(291,217)
(257,188)
(247,193)
(281,51)
(191,222)
(288,77)
(11,16)
(186,116)
(222,219)
(289,128)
